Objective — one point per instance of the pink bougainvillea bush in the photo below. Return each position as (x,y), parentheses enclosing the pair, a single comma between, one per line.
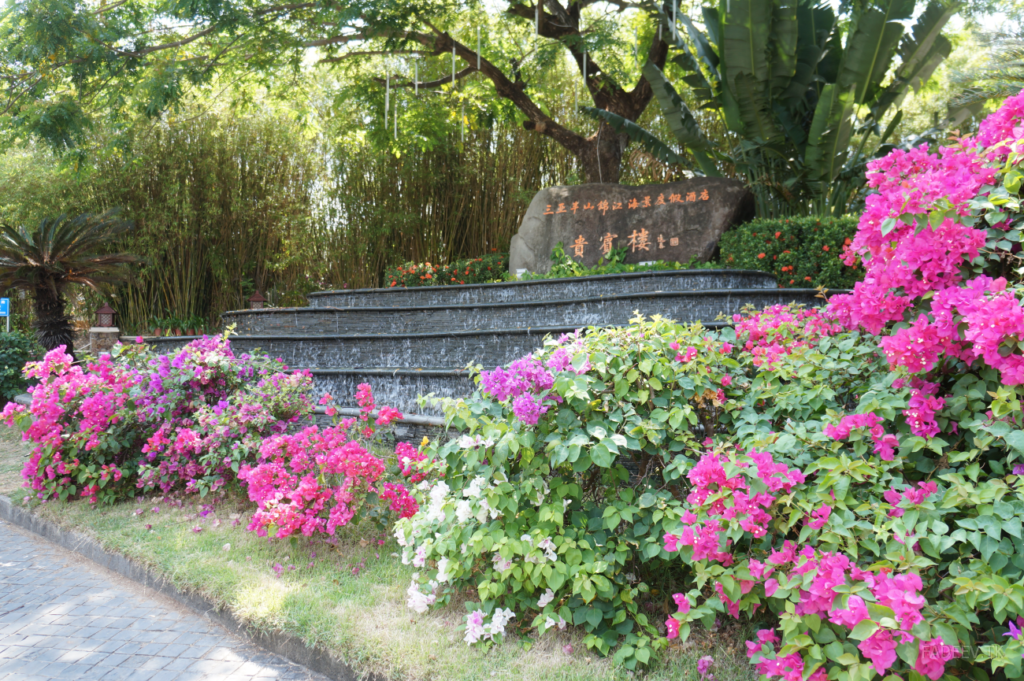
(851,480)
(203,418)
(898,550)
(317,480)
(136,420)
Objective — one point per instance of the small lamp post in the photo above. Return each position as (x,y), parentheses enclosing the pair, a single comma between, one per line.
(105,317)
(104,335)
(256,301)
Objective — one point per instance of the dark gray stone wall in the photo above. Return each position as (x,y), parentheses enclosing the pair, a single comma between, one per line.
(451,350)
(546,289)
(411,342)
(398,389)
(683,306)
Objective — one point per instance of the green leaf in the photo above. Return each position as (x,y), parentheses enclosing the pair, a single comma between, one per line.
(871,45)
(830,132)
(864,629)
(601,456)
(556,580)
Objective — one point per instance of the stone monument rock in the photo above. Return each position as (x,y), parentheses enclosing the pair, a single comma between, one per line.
(672,222)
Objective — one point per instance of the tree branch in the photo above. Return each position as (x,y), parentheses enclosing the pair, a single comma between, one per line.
(167,46)
(335,40)
(430,83)
(109,8)
(512,91)
(369,53)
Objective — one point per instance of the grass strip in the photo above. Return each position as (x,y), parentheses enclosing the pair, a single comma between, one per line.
(347,595)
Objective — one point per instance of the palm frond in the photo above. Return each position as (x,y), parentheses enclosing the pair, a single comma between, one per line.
(60,251)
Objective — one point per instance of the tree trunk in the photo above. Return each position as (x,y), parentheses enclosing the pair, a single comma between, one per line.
(53,328)
(600,155)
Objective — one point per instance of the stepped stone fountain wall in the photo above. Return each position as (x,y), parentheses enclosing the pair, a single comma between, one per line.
(546,289)
(411,342)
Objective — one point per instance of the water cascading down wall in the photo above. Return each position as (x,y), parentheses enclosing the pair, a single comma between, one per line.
(419,341)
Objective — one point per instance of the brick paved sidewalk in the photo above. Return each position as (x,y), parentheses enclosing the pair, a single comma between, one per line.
(63,617)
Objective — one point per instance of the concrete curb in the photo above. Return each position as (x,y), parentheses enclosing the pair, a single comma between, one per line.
(287,646)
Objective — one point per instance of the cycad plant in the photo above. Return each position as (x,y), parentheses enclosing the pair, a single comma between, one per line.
(61,251)
(803,88)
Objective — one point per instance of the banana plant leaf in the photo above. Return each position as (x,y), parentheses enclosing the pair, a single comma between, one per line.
(815,24)
(682,123)
(652,144)
(713,22)
(829,136)
(784,38)
(755,110)
(921,52)
(871,46)
(702,47)
(744,47)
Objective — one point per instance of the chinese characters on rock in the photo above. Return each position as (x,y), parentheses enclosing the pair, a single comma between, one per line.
(632,204)
(639,240)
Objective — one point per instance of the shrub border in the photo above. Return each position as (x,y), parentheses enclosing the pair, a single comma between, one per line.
(291,647)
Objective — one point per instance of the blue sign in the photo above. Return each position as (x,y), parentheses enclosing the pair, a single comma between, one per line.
(5,307)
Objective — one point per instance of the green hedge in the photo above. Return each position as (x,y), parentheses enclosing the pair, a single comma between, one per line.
(801,252)
(16,348)
(469,271)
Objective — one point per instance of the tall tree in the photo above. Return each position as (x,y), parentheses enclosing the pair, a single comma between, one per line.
(64,62)
(797,83)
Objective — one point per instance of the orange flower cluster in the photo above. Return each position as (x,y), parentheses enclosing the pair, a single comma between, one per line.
(469,271)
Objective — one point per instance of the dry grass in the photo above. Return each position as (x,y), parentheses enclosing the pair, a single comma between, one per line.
(348,597)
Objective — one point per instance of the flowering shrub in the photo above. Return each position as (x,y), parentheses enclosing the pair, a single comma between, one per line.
(852,478)
(553,504)
(83,446)
(899,551)
(802,252)
(318,480)
(209,411)
(469,271)
(200,419)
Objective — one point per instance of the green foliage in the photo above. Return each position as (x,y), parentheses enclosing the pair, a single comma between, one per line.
(801,252)
(66,68)
(15,349)
(596,477)
(469,271)
(789,79)
(998,76)
(168,324)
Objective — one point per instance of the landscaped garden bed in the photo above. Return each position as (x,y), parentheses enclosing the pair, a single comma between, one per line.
(189,519)
(848,481)
(348,596)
